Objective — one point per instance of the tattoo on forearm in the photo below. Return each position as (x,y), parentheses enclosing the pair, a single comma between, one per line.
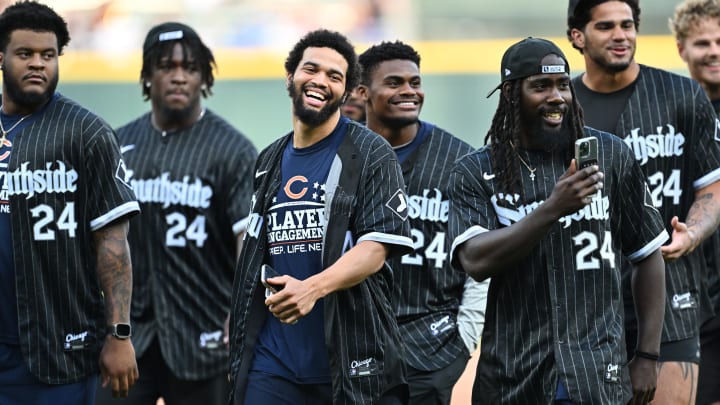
(703,214)
(689,374)
(114,271)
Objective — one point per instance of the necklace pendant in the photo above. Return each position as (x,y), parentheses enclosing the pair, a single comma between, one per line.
(532,176)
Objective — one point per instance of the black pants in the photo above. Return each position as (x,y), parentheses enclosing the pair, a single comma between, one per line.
(709,378)
(157,381)
(435,387)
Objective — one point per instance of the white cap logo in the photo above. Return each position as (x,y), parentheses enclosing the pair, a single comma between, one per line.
(169,36)
(553,68)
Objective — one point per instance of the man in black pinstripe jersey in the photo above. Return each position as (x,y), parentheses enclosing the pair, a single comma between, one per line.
(329,207)
(671,127)
(552,237)
(192,174)
(439,308)
(65,273)
(696,26)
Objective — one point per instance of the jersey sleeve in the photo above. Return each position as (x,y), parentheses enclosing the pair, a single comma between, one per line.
(382,208)
(112,196)
(702,130)
(471,210)
(240,187)
(639,238)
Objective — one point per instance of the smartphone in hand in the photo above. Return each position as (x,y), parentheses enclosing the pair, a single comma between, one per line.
(267,272)
(586,152)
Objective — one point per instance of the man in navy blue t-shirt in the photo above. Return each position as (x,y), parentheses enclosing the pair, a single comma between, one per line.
(328,209)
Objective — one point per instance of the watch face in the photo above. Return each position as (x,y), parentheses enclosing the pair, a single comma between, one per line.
(122,329)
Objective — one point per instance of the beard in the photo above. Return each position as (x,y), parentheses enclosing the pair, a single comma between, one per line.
(557,141)
(309,116)
(177,115)
(24,99)
(615,67)
(398,122)
(612,66)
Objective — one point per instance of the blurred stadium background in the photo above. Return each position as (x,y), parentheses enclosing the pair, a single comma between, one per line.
(460,41)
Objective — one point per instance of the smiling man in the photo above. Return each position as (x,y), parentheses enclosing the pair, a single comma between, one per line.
(439,309)
(551,237)
(696,25)
(669,123)
(192,173)
(329,208)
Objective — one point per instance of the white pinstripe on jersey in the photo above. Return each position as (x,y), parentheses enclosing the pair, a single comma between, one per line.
(558,312)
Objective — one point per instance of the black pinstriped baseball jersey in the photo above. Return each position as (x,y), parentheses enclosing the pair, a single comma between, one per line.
(711,252)
(558,313)
(194,187)
(670,125)
(365,200)
(65,180)
(428,290)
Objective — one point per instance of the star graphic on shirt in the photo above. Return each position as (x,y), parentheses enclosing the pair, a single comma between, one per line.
(322,187)
(274,200)
(314,196)
(316,185)
(322,198)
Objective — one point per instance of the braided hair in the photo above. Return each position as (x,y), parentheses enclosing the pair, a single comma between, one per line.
(505,132)
(204,60)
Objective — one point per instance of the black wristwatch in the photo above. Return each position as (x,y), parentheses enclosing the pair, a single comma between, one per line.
(121,331)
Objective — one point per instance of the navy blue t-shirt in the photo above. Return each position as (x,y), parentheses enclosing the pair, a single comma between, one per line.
(8,299)
(404,151)
(295,231)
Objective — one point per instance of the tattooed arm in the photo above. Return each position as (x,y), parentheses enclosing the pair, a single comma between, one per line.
(702,220)
(117,359)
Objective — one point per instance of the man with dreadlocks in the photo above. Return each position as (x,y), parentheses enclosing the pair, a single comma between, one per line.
(552,237)
(192,173)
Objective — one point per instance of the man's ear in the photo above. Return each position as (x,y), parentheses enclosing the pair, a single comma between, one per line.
(682,51)
(362,91)
(505,90)
(578,38)
(288,80)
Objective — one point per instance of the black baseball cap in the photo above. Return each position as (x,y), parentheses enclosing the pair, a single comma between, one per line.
(522,59)
(169,31)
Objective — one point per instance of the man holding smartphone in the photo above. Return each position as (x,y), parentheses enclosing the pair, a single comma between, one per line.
(552,236)
(671,127)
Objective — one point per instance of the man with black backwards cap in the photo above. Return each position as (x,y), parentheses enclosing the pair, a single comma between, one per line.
(551,237)
(192,173)
(669,123)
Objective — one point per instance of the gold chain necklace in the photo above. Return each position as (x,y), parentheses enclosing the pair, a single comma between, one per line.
(4,132)
(530,169)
